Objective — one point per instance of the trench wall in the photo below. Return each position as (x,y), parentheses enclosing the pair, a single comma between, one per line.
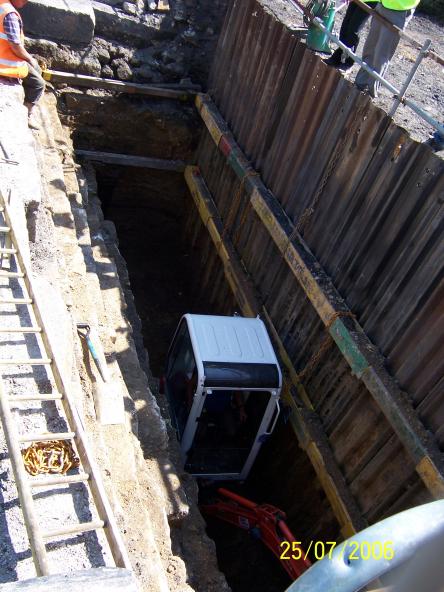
(367,200)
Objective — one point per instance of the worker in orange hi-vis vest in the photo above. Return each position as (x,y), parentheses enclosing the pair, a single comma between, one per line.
(16,64)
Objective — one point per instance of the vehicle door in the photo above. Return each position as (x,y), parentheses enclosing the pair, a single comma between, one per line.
(181,378)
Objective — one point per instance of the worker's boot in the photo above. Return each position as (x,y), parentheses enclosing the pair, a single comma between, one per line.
(347,64)
(32,123)
(335,59)
(436,142)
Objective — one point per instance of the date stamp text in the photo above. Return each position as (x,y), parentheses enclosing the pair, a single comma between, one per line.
(350,550)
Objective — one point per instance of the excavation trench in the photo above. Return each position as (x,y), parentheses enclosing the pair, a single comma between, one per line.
(149,209)
(153,212)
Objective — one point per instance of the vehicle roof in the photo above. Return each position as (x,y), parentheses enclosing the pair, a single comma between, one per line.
(230,339)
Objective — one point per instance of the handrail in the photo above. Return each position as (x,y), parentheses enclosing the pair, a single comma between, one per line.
(430,53)
(397,93)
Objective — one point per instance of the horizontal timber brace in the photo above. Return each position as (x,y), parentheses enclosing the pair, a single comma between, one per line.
(133,161)
(304,421)
(363,357)
(132,88)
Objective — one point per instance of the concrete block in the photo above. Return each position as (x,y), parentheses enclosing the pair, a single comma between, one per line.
(17,144)
(70,21)
(111,2)
(117,25)
(102,579)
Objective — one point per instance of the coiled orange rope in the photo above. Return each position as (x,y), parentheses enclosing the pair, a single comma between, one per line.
(55,456)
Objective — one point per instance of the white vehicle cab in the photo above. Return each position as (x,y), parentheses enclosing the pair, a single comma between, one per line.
(223,384)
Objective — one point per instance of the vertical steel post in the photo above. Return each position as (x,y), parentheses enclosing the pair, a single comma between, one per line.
(422,54)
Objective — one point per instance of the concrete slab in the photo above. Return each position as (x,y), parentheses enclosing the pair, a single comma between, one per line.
(112,24)
(17,145)
(102,579)
(70,21)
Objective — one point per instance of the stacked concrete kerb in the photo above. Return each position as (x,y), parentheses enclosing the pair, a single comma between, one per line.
(20,177)
(70,21)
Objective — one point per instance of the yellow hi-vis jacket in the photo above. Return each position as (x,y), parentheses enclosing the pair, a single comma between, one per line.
(400,4)
(10,65)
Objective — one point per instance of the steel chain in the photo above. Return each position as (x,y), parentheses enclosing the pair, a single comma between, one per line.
(309,210)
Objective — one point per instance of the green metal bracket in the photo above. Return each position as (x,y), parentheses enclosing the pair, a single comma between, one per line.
(348,347)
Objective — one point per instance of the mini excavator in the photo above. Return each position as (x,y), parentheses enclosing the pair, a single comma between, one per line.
(223,383)
(264,522)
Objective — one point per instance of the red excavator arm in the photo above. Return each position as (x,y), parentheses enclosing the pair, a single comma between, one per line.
(264,521)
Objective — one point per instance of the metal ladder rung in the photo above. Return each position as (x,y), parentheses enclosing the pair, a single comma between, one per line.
(6,251)
(59,480)
(28,486)
(16,300)
(26,362)
(36,397)
(47,437)
(74,529)
(11,274)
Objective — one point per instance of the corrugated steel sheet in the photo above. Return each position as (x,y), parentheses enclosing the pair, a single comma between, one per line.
(369,202)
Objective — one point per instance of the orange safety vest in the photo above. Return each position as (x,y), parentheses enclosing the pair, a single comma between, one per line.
(10,65)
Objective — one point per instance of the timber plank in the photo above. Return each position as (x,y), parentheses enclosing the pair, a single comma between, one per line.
(134,161)
(118,85)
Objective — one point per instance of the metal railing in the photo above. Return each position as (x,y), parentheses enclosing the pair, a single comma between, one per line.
(399,95)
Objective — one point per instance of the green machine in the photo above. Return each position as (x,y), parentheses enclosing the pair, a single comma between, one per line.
(325,11)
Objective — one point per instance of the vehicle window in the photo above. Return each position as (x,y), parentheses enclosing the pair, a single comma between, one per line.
(227,430)
(181,379)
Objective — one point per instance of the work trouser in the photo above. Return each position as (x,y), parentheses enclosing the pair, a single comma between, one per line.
(380,47)
(354,19)
(33,85)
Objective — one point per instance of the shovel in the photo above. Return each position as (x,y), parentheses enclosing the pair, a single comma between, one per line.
(108,398)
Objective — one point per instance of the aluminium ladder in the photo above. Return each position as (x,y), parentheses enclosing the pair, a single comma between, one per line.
(89,473)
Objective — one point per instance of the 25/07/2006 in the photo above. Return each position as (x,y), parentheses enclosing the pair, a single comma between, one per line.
(357,550)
